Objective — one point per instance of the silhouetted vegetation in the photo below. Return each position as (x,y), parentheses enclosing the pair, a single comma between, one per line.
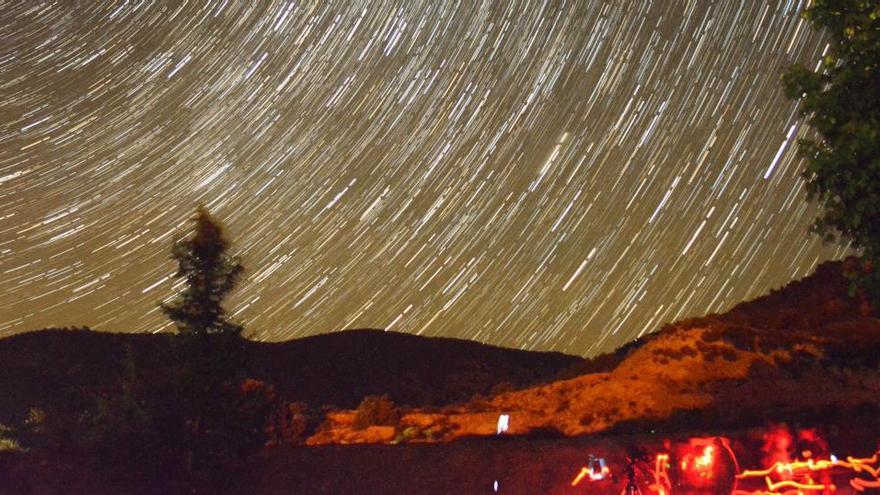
(210,274)
(376,410)
(841,99)
(168,425)
(290,423)
(219,417)
(604,363)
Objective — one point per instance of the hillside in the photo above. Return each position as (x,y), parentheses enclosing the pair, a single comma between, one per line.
(805,355)
(805,351)
(339,369)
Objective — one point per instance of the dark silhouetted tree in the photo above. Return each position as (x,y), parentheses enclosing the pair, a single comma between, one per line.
(221,423)
(841,100)
(210,273)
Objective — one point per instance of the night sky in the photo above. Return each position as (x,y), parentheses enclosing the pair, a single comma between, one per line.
(549,175)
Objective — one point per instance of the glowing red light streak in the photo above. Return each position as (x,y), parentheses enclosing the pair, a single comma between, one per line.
(799,477)
(595,470)
(662,484)
(803,480)
(594,475)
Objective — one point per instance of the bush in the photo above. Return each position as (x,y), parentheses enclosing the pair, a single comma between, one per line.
(289,424)
(51,430)
(376,410)
(256,401)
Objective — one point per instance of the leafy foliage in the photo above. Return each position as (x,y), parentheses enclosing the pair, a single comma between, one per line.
(842,102)
(130,414)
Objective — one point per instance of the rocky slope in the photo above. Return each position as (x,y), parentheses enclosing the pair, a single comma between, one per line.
(803,351)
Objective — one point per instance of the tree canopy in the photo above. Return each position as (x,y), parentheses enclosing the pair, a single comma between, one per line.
(841,100)
(211,273)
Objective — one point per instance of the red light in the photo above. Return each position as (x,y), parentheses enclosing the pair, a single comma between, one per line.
(704,465)
(812,473)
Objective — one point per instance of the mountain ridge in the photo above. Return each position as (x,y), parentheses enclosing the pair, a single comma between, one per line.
(335,369)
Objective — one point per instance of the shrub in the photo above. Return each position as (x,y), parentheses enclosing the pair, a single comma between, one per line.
(50,430)
(376,410)
(36,420)
(289,424)
(565,404)
(728,354)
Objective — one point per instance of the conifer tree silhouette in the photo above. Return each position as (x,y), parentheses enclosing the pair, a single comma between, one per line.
(211,273)
(209,352)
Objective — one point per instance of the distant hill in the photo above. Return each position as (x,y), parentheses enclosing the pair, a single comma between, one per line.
(332,369)
(804,352)
(341,368)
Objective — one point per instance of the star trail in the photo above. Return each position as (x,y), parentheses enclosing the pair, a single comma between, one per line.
(549,175)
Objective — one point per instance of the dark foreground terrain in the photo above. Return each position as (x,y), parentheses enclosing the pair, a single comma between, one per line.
(337,369)
(524,466)
(519,465)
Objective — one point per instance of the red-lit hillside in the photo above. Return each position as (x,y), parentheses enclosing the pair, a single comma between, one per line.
(799,352)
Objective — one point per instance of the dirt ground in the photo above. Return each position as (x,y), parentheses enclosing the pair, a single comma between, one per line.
(488,465)
(518,465)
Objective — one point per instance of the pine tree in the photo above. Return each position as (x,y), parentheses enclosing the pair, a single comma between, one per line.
(209,351)
(211,273)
